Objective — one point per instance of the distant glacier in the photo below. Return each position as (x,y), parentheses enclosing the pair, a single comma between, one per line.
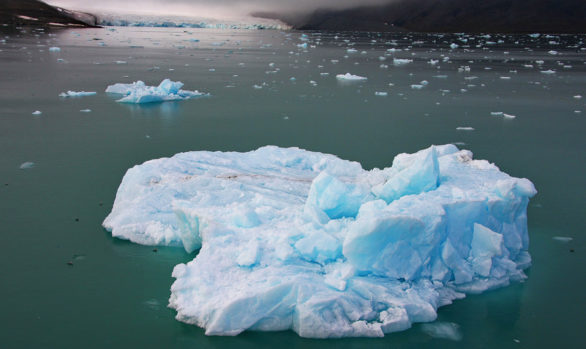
(132,20)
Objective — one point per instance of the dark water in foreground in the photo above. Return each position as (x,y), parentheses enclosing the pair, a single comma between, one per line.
(116,292)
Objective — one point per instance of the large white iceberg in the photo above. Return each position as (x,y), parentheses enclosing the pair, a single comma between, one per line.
(138,92)
(292,239)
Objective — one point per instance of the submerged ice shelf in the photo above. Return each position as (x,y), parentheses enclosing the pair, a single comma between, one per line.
(292,239)
(138,92)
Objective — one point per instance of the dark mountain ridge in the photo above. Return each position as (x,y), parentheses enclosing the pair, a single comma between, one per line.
(15,13)
(486,16)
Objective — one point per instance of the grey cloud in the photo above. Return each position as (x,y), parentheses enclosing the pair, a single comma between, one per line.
(209,7)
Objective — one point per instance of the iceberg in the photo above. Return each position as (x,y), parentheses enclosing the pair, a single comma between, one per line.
(300,240)
(76,94)
(138,92)
(350,77)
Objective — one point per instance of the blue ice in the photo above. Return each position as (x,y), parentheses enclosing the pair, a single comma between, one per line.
(292,239)
(138,92)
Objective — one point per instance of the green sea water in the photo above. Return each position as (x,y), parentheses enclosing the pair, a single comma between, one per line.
(115,293)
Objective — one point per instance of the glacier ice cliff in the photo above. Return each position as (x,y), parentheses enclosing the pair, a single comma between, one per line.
(292,239)
(138,92)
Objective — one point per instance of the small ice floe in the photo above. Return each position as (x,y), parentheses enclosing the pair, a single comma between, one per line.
(509,116)
(552,52)
(443,330)
(496,113)
(86,110)
(401,61)
(464,128)
(27,165)
(138,92)
(121,62)
(454,46)
(417,86)
(54,49)
(37,112)
(381,94)
(350,77)
(351,50)
(562,238)
(433,61)
(464,69)
(76,94)
(548,72)
(505,78)
(577,96)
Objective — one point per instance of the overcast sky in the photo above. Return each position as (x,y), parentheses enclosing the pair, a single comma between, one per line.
(206,7)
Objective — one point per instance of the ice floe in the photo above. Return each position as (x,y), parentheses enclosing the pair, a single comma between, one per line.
(350,77)
(76,94)
(292,239)
(138,92)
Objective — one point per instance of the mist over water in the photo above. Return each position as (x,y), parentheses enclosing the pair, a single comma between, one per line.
(210,8)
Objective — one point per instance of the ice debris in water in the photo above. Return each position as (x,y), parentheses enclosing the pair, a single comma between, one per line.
(292,239)
(76,94)
(350,77)
(54,49)
(27,165)
(37,112)
(138,92)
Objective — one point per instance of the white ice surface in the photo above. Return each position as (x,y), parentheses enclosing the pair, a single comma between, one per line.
(292,239)
(350,77)
(138,92)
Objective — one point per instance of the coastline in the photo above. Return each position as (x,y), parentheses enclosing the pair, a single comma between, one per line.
(33,13)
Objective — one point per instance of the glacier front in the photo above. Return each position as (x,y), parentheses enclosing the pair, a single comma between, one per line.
(292,239)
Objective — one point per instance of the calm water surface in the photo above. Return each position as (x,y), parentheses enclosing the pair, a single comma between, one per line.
(115,294)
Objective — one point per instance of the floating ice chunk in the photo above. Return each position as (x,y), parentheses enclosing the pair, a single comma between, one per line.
(577,97)
(464,128)
(350,77)
(76,94)
(37,112)
(509,116)
(54,49)
(552,52)
(381,94)
(401,61)
(454,46)
(27,165)
(86,111)
(443,330)
(138,92)
(496,113)
(292,239)
(548,72)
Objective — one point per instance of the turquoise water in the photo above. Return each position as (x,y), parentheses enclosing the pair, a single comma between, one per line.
(115,293)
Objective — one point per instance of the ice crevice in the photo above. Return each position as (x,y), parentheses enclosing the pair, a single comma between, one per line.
(293,239)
